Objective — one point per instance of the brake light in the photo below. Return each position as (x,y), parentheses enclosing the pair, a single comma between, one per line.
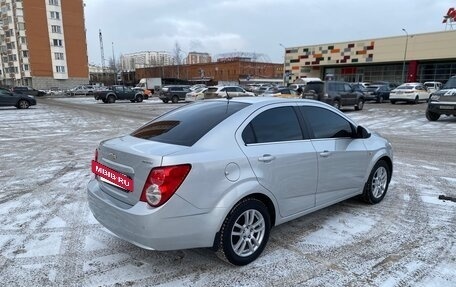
(163,182)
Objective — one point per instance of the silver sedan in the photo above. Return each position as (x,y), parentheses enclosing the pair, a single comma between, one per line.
(221,173)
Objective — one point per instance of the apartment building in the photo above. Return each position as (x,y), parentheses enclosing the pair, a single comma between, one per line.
(43,43)
(197,58)
(133,61)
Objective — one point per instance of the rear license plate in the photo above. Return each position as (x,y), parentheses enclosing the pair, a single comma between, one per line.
(446,107)
(112,176)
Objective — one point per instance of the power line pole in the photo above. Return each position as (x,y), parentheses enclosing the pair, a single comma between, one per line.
(102,51)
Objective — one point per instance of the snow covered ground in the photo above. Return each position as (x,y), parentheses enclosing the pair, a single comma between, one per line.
(48,236)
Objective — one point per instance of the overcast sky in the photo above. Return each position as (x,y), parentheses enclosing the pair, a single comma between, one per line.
(254,26)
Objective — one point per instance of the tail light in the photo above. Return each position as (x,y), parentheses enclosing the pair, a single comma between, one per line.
(163,182)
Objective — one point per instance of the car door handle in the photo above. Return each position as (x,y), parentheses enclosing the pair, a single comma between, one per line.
(325,153)
(266,158)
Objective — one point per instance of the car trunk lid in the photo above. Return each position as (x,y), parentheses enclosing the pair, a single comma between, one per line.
(134,158)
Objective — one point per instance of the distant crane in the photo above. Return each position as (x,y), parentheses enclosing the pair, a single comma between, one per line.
(102,51)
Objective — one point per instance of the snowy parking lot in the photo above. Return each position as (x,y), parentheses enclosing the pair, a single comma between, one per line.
(48,236)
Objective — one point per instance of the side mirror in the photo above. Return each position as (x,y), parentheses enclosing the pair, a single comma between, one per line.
(362,133)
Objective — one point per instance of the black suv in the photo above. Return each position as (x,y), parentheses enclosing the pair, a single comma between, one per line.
(174,93)
(443,101)
(378,93)
(28,91)
(336,93)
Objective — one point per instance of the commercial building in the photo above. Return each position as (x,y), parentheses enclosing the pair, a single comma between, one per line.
(408,57)
(43,43)
(224,70)
(133,61)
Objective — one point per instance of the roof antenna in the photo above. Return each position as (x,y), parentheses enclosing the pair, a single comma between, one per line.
(228,97)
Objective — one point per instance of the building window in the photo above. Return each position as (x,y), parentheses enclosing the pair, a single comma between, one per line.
(25,54)
(54,2)
(12,58)
(25,67)
(60,69)
(59,56)
(56,29)
(21,26)
(23,40)
(57,42)
(55,15)
(10,45)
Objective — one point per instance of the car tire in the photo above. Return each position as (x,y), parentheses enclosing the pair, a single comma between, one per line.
(23,104)
(380,99)
(139,98)
(165,101)
(246,227)
(377,185)
(393,102)
(431,116)
(105,101)
(336,104)
(360,105)
(111,99)
(175,99)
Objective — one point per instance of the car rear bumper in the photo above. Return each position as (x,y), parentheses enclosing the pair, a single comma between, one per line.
(175,225)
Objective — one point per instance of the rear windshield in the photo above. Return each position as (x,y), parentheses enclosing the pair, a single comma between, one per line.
(405,88)
(186,125)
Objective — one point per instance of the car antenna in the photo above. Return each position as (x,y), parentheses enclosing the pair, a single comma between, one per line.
(228,97)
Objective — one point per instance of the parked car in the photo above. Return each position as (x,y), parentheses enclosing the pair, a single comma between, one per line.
(20,101)
(81,90)
(443,101)
(226,91)
(55,91)
(391,85)
(336,93)
(174,93)
(432,86)
(378,93)
(281,93)
(409,92)
(195,95)
(221,174)
(118,92)
(28,91)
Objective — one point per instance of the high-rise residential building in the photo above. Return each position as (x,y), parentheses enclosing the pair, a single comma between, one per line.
(197,58)
(133,61)
(43,43)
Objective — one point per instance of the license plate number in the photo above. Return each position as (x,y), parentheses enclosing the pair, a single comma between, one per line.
(446,107)
(112,176)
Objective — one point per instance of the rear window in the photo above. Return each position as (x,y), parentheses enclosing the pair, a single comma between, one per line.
(186,125)
(212,90)
(451,84)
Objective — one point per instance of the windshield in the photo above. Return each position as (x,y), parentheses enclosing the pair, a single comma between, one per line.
(451,84)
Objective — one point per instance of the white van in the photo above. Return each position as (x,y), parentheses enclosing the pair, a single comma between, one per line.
(433,86)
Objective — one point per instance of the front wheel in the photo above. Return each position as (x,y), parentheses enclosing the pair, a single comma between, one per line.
(377,184)
(245,232)
(165,101)
(393,102)
(431,116)
(336,104)
(175,99)
(139,98)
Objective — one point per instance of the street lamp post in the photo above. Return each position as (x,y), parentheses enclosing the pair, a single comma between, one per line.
(405,55)
(284,57)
